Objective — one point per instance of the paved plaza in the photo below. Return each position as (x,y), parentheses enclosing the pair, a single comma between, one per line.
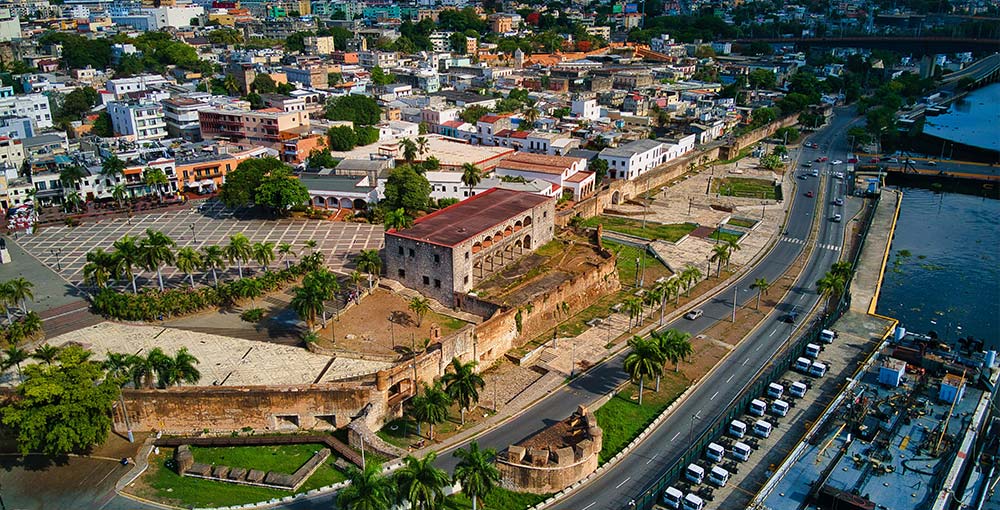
(64,249)
(222,360)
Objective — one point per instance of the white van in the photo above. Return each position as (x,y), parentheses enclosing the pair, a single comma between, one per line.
(826,336)
(758,407)
(817,369)
(812,351)
(802,365)
(779,408)
(798,389)
(672,498)
(737,429)
(775,390)
(741,451)
(692,502)
(762,429)
(718,476)
(714,452)
(694,473)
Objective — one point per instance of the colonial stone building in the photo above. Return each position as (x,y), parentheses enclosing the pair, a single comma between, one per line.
(447,253)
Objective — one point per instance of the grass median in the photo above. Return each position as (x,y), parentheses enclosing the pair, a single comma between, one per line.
(622,419)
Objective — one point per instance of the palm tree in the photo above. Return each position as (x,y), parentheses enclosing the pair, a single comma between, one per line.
(421,484)
(263,254)
(284,250)
(675,345)
(761,285)
(842,269)
(99,268)
(370,262)
(307,301)
(431,407)
(213,257)
(690,275)
(369,489)
(311,244)
(231,85)
(127,257)
(471,176)
(141,370)
(720,254)
(431,164)
(174,370)
(15,356)
(119,193)
(21,292)
(732,246)
(239,250)
(71,175)
(188,260)
(673,287)
(46,353)
(397,219)
(531,116)
(356,278)
(463,384)
(7,299)
(73,201)
(645,360)
(409,150)
(419,306)
(830,284)
(112,167)
(155,177)
(476,472)
(633,306)
(155,250)
(422,145)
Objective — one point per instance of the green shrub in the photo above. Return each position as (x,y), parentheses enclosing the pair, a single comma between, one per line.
(253,315)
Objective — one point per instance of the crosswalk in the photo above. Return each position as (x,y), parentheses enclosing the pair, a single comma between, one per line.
(793,240)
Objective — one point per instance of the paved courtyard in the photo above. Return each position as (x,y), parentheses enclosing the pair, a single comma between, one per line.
(64,249)
(222,360)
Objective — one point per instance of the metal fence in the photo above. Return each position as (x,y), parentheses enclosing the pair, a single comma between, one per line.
(770,372)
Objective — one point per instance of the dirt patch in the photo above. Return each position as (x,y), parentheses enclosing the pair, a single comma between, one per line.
(382,325)
(706,355)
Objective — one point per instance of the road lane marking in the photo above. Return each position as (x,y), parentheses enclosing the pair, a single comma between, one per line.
(746,361)
(697,415)
(757,349)
(713,396)
(590,505)
(675,436)
(772,333)
(730,378)
(623,482)
(650,459)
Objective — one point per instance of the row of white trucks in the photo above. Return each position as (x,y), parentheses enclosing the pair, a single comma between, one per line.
(718,476)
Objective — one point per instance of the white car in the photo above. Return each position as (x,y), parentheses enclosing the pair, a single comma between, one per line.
(838,175)
(835,218)
(836,162)
(893,160)
(932,163)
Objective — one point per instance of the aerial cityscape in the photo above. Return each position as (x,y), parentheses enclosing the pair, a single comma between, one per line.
(500,255)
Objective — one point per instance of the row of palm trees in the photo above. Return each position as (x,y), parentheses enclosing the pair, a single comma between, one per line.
(660,293)
(158,366)
(419,484)
(322,285)
(648,356)
(156,250)
(460,385)
(111,168)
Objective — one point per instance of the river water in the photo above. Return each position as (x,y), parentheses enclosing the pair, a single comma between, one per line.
(942,273)
(972,120)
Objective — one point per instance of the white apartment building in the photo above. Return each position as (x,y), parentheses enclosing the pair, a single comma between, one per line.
(11,153)
(119,87)
(144,121)
(634,158)
(34,106)
(10,26)
(181,117)
(586,109)
(383,59)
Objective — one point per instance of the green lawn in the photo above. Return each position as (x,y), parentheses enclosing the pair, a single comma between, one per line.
(622,419)
(741,222)
(401,432)
(744,187)
(627,270)
(669,232)
(499,499)
(166,485)
(724,236)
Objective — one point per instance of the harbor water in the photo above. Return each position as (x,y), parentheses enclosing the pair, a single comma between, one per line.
(942,272)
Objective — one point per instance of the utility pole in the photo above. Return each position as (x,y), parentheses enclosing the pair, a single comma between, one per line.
(736,292)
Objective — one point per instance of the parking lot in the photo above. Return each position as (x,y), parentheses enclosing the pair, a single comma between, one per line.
(64,248)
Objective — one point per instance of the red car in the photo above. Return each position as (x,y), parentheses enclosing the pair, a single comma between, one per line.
(809,194)
(822,159)
(873,160)
(852,160)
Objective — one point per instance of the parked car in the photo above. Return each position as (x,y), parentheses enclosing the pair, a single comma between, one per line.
(876,160)
(809,194)
(694,314)
(852,160)
(807,164)
(836,162)
(893,160)
(822,159)
(838,175)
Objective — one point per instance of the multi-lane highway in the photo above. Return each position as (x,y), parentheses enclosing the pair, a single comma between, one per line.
(663,448)
(618,486)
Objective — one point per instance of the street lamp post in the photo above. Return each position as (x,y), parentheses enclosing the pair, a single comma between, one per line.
(191,226)
(57,252)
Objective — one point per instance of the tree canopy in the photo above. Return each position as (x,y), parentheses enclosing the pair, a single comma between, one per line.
(280,191)
(242,182)
(406,189)
(63,407)
(361,110)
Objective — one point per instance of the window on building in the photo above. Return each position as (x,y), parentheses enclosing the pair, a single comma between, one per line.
(437,283)
(437,258)
(427,280)
(413,252)
(400,250)
(466,279)
(401,273)
(466,255)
